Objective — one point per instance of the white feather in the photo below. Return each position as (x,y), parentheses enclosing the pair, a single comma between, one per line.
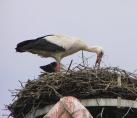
(63,41)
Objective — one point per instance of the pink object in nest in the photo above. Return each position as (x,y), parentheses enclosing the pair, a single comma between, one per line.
(68,107)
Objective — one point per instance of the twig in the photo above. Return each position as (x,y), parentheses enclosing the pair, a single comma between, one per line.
(69,66)
(83,60)
(58,94)
(126,112)
(21,84)
(130,108)
(101,113)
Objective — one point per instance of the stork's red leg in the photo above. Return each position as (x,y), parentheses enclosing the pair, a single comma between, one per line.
(58,67)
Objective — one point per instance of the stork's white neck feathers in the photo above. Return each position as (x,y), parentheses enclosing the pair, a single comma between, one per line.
(94,49)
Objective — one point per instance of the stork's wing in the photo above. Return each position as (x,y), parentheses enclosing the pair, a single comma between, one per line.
(45,45)
(41,44)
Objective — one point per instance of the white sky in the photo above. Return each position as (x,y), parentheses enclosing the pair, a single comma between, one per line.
(109,23)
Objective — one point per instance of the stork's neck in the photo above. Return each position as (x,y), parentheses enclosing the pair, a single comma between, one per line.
(94,49)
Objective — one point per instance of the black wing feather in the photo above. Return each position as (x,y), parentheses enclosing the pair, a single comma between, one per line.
(43,44)
(39,44)
(50,67)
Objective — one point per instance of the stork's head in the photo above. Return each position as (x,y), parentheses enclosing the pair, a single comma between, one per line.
(98,50)
(100,53)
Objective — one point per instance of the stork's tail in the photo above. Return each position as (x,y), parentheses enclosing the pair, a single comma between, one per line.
(25,45)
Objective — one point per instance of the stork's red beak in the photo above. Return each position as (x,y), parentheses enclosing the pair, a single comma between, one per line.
(99,58)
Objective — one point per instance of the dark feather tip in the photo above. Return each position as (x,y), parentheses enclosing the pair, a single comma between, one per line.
(50,67)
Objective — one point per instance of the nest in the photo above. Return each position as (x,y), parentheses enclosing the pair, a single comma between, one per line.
(82,83)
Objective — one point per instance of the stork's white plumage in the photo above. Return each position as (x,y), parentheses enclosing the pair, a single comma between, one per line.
(58,47)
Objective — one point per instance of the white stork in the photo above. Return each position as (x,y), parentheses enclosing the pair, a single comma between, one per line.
(58,47)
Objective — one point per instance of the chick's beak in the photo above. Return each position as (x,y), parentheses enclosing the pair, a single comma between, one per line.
(99,58)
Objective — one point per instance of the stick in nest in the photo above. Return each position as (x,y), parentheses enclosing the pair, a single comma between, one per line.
(69,66)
